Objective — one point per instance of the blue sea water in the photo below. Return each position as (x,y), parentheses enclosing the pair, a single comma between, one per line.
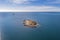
(13,28)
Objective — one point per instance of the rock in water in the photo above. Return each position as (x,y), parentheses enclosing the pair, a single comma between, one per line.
(30,23)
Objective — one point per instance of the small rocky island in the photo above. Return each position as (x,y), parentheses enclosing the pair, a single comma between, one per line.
(30,23)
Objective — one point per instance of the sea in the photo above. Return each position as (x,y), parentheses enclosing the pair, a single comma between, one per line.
(12,27)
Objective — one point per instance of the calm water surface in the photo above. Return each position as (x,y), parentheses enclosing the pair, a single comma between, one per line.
(13,29)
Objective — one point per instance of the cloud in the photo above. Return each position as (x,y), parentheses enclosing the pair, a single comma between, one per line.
(21,1)
(30,9)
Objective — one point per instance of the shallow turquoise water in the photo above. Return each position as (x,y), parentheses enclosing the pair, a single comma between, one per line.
(13,29)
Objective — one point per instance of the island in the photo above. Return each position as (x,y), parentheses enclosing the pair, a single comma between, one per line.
(30,23)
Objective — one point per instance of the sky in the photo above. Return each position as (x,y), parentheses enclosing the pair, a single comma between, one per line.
(30,5)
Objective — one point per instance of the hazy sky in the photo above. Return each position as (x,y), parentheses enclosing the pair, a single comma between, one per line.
(29,5)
